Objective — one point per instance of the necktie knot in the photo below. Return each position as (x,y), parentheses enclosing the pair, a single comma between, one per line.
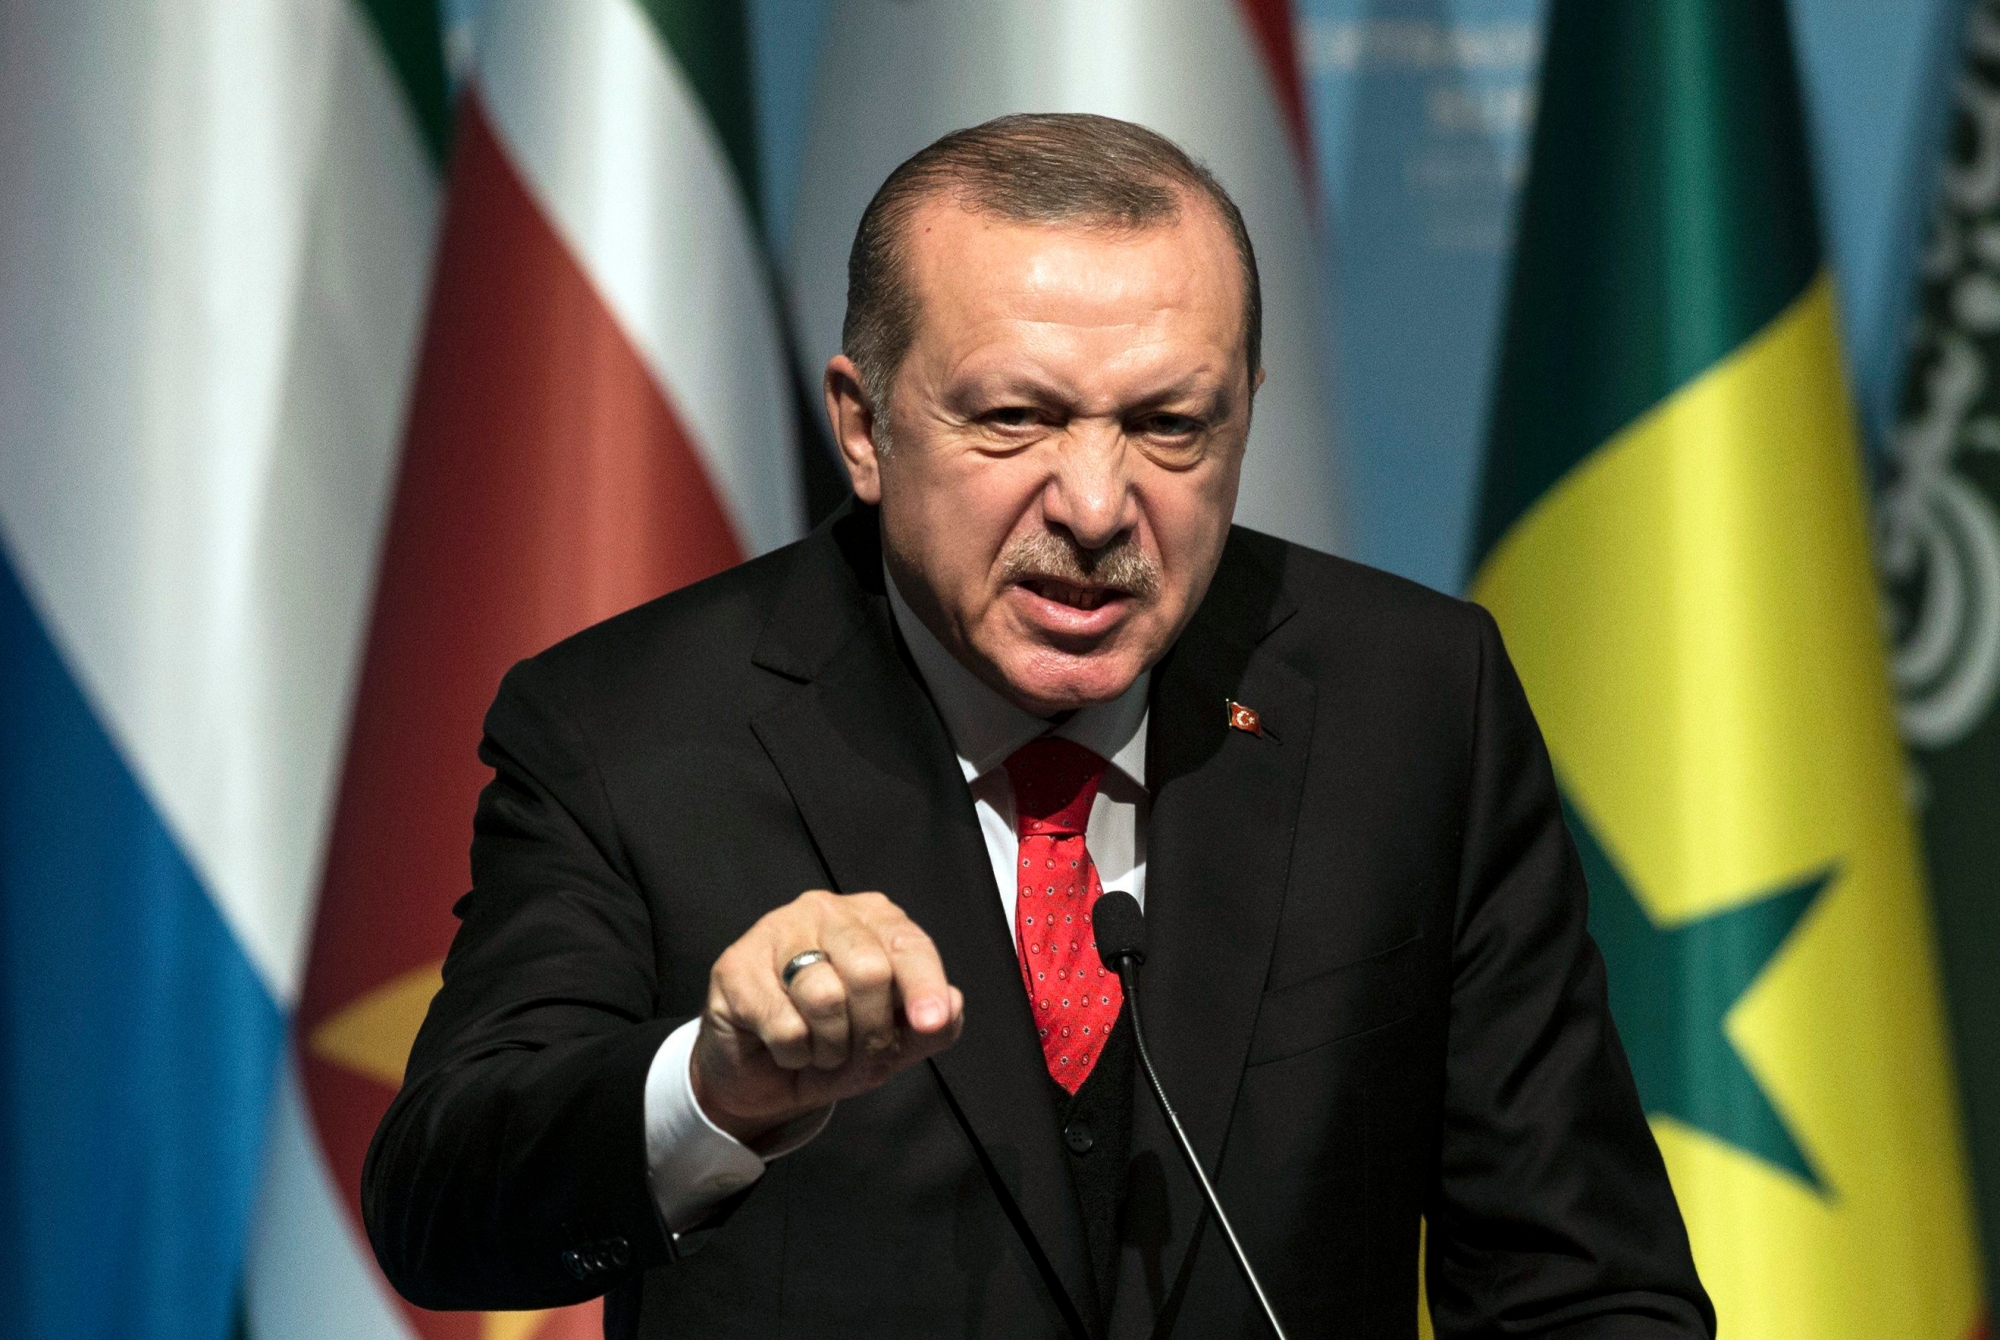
(1055,783)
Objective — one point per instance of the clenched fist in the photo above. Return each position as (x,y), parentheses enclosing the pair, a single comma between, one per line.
(878,1002)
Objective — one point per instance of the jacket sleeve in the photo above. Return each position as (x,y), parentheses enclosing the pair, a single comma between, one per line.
(1551,1214)
(510,1171)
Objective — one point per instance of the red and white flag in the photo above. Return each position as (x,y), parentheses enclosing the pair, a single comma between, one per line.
(1219,77)
(600,414)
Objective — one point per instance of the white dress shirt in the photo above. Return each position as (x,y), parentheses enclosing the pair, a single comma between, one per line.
(692,1163)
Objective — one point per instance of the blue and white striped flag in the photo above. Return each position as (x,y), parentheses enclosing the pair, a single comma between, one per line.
(215,234)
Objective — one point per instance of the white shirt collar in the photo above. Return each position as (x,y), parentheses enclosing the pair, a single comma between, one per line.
(985,728)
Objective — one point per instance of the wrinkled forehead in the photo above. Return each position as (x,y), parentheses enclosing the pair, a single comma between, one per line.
(974,276)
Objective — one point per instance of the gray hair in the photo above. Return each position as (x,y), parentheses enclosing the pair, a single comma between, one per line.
(1068,168)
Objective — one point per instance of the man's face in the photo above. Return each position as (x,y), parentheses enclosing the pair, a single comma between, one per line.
(1064,438)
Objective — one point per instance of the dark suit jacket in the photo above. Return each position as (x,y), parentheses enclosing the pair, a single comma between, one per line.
(1370,992)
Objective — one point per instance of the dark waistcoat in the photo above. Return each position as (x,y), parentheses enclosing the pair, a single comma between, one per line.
(1097,1131)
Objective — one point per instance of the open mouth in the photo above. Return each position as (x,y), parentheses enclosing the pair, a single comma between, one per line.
(1068,593)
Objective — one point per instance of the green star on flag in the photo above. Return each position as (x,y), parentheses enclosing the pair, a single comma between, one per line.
(1672,988)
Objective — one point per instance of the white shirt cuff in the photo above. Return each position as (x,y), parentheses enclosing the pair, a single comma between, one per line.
(691,1163)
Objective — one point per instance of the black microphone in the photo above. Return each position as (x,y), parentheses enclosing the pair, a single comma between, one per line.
(1121,947)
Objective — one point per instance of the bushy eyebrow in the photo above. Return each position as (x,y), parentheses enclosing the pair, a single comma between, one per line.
(1217,405)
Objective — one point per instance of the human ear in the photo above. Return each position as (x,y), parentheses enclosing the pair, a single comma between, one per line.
(853,420)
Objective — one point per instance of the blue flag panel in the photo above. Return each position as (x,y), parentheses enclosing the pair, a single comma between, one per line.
(137,1044)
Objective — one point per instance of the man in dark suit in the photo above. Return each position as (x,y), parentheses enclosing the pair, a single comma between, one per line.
(774,1009)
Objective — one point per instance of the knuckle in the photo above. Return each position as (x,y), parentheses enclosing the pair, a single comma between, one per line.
(908,937)
(870,972)
(820,992)
(726,983)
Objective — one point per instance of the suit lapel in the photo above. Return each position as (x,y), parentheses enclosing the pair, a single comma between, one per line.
(875,779)
(1225,808)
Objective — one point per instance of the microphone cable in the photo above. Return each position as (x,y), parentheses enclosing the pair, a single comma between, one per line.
(1121,930)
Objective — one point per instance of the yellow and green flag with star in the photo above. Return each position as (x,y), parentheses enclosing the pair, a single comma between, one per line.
(1672,536)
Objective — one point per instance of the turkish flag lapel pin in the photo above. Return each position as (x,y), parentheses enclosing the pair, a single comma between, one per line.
(1245,719)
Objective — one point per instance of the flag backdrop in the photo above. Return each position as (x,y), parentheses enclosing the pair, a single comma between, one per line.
(215,250)
(601,414)
(1673,539)
(1939,543)
(213,247)
(1220,77)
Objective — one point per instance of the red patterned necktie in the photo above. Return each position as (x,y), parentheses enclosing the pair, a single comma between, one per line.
(1073,999)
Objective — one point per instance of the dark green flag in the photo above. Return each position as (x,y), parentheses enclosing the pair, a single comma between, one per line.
(1940,552)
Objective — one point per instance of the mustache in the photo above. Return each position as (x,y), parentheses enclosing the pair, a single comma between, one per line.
(1047,555)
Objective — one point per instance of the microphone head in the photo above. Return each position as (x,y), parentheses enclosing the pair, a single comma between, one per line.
(1121,929)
